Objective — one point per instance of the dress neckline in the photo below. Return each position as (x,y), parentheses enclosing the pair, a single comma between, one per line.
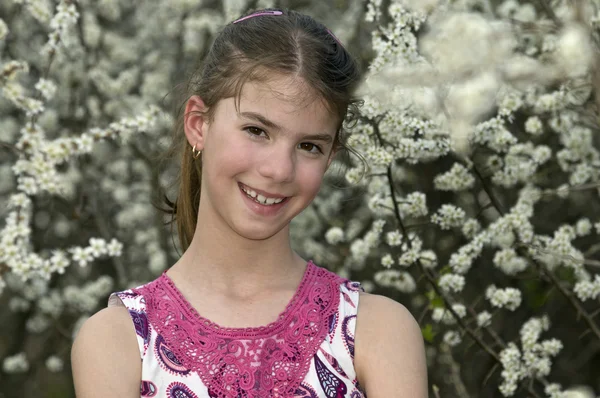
(273,327)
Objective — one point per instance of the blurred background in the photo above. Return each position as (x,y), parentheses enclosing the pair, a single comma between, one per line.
(480,130)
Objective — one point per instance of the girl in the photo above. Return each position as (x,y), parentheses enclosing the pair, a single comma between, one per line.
(241,314)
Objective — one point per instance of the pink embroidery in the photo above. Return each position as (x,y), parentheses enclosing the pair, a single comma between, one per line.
(263,361)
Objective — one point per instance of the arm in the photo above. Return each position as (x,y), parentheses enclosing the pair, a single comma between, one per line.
(105,358)
(390,353)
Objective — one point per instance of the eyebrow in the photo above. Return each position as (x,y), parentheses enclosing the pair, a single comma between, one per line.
(269,124)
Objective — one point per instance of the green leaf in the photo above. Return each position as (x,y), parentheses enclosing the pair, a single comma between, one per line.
(435,301)
(428,333)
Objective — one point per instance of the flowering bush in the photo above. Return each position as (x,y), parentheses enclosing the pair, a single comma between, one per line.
(479,208)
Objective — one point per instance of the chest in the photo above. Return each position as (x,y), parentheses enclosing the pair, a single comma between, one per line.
(327,373)
(302,344)
(250,312)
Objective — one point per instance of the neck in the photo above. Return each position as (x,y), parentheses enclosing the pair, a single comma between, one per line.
(222,260)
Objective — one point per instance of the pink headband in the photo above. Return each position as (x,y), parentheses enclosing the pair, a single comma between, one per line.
(257,14)
(336,39)
(268,12)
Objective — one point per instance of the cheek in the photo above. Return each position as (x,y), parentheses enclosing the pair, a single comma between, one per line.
(229,152)
(310,177)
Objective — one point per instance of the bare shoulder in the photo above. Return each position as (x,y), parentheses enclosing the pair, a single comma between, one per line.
(389,349)
(105,358)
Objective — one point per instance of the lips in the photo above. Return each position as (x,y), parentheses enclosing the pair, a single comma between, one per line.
(260,192)
(260,209)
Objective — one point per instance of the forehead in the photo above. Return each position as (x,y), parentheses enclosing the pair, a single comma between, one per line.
(287,100)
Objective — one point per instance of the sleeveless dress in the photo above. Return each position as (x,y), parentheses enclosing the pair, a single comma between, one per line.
(307,352)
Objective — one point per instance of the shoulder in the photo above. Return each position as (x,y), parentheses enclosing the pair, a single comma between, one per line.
(105,358)
(389,353)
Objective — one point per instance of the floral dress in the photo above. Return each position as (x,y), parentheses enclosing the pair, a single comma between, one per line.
(307,352)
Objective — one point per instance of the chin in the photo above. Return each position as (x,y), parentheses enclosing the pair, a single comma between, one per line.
(257,233)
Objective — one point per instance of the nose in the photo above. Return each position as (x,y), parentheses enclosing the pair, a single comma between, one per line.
(278,165)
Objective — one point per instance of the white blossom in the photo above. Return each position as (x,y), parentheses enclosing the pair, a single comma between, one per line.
(452,338)
(445,316)
(387,261)
(54,364)
(3,30)
(452,283)
(470,228)
(19,304)
(354,175)
(428,258)
(534,125)
(574,50)
(583,227)
(394,238)
(448,216)
(334,235)
(587,290)
(509,298)
(114,248)
(414,205)
(456,179)
(509,262)
(409,257)
(402,281)
(17,363)
(46,87)
(484,318)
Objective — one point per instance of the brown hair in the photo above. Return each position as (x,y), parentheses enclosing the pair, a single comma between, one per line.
(250,50)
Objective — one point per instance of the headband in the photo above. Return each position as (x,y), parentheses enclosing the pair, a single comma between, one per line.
(257,14)
(276,12)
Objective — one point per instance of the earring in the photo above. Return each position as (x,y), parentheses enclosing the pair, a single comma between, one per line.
(196,154)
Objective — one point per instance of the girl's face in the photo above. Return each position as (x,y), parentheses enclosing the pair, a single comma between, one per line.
(274,148)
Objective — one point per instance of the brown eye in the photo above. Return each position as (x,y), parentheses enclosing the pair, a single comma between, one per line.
(309,147)
(255,131)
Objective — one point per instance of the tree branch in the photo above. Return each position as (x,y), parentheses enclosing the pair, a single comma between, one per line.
(521,250)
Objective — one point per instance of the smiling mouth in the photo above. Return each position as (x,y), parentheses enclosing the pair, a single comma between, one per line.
(260,199)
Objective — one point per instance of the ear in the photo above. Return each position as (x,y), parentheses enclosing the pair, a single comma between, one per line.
(194,122)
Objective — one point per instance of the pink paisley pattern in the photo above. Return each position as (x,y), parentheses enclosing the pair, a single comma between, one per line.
(333,362)
(332,385)
(179,390)
(147,389)
(333,321)
(141,324)
(305,391)
(304,353)
(347,336)
(167,359)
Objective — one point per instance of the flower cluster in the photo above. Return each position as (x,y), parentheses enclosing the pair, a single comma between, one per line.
(509,262)
(361,248)
(449,216)
(452,283)
(587,290)
(400,280)
(65,17)
(457,178)
(17,363)
(444,316)
(509,298)
(533,360)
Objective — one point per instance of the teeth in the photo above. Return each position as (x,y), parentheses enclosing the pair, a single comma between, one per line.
(260,198)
